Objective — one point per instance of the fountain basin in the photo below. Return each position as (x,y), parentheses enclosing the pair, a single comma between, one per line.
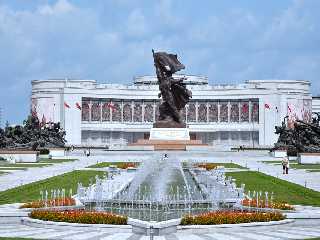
(154,228)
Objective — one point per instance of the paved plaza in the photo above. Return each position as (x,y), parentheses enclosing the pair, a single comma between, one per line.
(299,229)
(252,160)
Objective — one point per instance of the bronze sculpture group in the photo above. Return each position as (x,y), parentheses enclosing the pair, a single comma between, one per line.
(304,137)
(32,135)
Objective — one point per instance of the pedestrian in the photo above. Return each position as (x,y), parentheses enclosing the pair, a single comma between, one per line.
(285,165)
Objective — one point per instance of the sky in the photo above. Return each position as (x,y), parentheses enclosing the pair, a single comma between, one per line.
(110,41)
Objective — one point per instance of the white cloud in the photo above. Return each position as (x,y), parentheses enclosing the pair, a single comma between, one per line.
(60,7)
(64,39)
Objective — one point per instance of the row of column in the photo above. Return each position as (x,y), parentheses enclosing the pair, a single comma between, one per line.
(147,111)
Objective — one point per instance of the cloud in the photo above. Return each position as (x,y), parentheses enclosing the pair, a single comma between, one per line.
(111,41)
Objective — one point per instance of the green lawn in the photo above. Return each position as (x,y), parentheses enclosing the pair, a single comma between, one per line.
(8,238)
(305,166)
(31,192)
(24,165)
(12,168)
(283,191)
(46,160)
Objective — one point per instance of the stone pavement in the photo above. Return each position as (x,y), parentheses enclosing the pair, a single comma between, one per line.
(18,178)
(297,230)
(252,160)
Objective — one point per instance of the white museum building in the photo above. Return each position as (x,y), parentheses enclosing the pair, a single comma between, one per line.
(95,114)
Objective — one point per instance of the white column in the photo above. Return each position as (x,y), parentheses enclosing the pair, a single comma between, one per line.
(229,111)
(207,105)
(111,111)
(132,110)
(197,113)
(219,105)
(121,110)
(142,110)
(154,111)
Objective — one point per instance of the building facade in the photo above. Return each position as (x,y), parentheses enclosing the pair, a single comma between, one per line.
(316,104)
(96,114)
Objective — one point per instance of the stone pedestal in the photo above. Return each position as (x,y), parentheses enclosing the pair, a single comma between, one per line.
(279,153)
(19,156)
(309,158)
(57,152)
(180,134)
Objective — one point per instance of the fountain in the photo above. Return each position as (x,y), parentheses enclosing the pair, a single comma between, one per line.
(161,190)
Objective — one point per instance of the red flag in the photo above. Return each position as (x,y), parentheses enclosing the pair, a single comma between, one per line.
(245,108)
(66,105)
(110,105)
(267,106)
(78,106)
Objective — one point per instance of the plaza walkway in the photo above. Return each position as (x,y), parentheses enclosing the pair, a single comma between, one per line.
(301,228)
(252,160)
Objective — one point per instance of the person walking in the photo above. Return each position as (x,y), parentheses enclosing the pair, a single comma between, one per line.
(285,165)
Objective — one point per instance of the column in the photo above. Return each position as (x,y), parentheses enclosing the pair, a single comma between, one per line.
(142,110)
(187,113)
(132,110)
(196,106)
(100,105)
(229,111)
(250,110)
(111,111)
(121,110)
(154,110)
(240,109)
(90,106)
(207,111)
(219,111)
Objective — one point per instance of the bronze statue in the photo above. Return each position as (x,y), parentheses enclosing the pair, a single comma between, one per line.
(304,137)
(174,93)
(32,135)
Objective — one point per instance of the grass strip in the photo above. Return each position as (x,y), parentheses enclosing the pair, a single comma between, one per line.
(14,238)
(46,160)
(24,165)
(12,168)
(284,191)
(31,192)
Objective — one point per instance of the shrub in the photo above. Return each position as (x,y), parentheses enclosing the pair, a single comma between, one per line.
(79,216)
(44,151)
(263,204)
(50,203)
(231,217)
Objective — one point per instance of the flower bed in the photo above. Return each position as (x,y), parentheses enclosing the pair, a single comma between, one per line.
(126,165)
(263,204)
(207,166)
(79,216)
(50,203)
(231,217)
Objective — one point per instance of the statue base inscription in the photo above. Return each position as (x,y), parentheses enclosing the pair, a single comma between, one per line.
(169,134)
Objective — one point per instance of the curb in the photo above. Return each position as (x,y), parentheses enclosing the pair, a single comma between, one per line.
(65,225)
(253,224)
